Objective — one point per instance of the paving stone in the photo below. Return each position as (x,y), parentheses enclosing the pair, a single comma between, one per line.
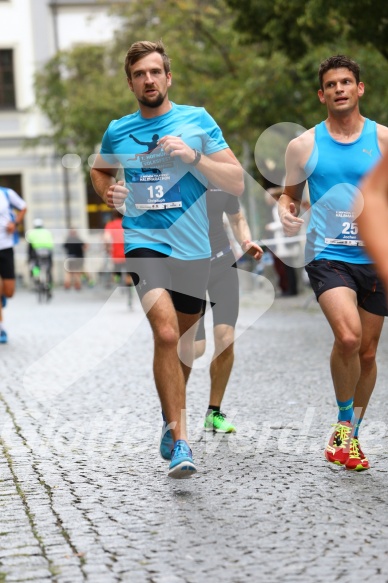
(88,496)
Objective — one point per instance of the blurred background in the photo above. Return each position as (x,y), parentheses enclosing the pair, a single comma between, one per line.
(251,63)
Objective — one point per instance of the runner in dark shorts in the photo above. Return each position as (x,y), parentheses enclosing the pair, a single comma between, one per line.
(7,264)
(12,211)
(362,278)
(334,157)
(223,292)
(168,153)
(185,281)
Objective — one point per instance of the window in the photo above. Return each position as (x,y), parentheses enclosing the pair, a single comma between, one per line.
(7,86)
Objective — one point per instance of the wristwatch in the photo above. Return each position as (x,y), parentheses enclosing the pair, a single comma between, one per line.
(197,157)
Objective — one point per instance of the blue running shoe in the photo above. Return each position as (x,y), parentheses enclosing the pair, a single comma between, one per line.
(166,442)
(3,301)
(3,337)
(182,465)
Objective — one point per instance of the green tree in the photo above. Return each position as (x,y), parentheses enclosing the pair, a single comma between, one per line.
(294,26)
(247,87)
(249,77)
(82,89)
(78,91)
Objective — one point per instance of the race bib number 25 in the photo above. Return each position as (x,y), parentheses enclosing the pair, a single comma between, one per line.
(342,229)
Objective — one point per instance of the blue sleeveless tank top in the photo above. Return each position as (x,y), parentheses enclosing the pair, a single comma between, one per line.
(333,172)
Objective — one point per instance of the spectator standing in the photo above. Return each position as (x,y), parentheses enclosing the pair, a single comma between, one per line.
(75,251)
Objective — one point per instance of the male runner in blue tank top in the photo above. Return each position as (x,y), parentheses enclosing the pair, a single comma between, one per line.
(333,157)
(169,153)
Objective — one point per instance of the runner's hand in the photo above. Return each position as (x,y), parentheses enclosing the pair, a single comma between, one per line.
(11,227)
(291,223)
(116,195)
(252,249)
(175,146)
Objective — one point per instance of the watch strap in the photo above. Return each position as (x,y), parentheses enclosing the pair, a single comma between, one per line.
(197,157)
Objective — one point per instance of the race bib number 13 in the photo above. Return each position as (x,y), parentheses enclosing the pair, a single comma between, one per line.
(156,191)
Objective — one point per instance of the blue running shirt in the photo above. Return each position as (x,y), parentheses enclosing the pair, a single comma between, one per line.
(165,209)
(334,171)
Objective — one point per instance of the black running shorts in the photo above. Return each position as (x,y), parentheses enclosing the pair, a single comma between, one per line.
(186,281)
(7,264)
(362,278)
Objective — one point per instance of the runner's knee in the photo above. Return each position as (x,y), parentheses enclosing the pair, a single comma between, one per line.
(8,289)
(368,358)
(224,339)
(166,335)
(200,346)
(348,343)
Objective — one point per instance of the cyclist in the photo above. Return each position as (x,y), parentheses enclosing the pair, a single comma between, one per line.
(40,248)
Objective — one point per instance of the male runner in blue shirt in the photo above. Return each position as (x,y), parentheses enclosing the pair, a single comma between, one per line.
(333,157)
(169,154)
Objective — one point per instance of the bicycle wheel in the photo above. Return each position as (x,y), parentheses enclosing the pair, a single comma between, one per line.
(44,287)
(41,292)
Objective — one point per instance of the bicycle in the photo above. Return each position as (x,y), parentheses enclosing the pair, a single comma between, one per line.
(41,275)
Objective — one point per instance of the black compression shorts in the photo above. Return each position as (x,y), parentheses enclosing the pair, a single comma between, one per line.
(223,292)
(186,281)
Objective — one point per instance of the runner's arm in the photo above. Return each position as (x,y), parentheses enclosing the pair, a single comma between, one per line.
(224,171)
(382,136)
(221,168)
(290,199)
(12,225)
(373,220)
(103,176)
(242,234)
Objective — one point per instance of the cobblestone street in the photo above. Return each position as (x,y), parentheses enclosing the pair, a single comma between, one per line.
(84,495)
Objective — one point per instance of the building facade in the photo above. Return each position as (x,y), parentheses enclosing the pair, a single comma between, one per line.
(31,32)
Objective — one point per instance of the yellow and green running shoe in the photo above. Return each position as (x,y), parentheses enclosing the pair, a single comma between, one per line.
(216,421)
(357,460)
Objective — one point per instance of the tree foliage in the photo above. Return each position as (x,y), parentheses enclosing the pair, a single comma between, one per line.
(79,93)
(249,73)
(295,26)
(82,89)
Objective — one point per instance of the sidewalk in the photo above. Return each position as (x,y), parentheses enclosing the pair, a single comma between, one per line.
(84,495)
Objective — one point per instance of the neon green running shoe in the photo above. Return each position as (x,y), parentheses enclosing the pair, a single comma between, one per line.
(216,421)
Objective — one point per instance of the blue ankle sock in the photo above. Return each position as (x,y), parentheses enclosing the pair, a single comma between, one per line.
(345,410)
(357,423)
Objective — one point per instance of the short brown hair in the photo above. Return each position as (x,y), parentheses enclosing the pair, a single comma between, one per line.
(338,62)
(143,48)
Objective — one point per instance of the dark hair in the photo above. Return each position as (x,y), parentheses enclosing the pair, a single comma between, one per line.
(143,48)
(338,62)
